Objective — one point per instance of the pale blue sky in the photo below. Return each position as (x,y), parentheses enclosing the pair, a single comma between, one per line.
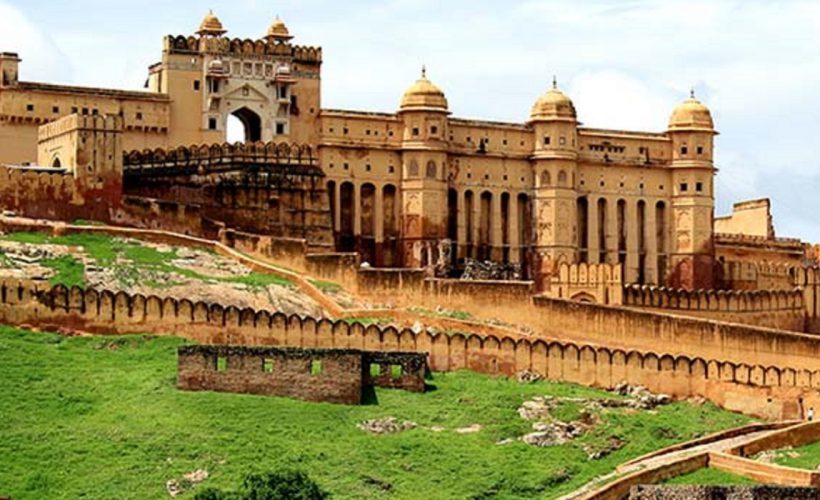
(625,63)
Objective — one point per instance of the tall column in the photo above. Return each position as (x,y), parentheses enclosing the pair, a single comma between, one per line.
(651,244)
(378,215)
(496,239)
(461,230)
(612,230)
(592,231)
(337,206)
(632,250)
(476,218)
(357,210)
(513,228)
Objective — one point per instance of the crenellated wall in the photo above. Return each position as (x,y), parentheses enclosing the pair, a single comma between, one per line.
(275,189)
(808,280)
(56,195)
(599,283)
(770,390)
(747,275)
(781,309)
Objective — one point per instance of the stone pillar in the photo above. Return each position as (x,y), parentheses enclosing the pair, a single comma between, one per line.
(513,228)
(632,250)
(651,244)
(593,248)
(357,210)
(378,215)
(476,218)
(496,238)
(378,224)
(337,206)
(461,230)
(612,230)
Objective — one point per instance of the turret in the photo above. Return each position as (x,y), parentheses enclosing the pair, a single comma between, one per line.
(555,162)
(691,252)
(9,69)
(424,113)
(211,26)
(278,31)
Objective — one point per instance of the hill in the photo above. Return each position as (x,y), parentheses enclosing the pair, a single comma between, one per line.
(100,417)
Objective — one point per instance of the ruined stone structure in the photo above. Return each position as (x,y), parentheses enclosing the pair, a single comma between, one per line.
(332,375)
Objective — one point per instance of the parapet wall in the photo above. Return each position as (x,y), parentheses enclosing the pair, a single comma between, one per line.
(744,275)
(599,283)
(808,280)
(782,309)
(57,195)
(768,390)
(206,157)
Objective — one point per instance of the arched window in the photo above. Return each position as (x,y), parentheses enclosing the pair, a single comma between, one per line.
(56,163)
(413,169)
(562,178)
(431,170)
(546,179)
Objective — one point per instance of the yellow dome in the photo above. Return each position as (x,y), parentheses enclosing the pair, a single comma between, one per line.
(554,105)
(424,95)
(278,30)
(211,25)
(691,115)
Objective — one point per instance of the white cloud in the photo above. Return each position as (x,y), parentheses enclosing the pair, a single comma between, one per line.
(42,59)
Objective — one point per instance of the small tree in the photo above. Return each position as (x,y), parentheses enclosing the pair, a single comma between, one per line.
(285,485)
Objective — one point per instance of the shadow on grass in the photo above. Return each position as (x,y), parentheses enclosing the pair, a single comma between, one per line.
(369,397)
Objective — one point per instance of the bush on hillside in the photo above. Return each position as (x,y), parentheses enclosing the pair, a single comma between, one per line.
(285,485)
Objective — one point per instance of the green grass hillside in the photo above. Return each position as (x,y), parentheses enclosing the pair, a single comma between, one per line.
(94,417)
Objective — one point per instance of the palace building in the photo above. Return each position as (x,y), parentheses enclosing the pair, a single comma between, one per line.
(415,186)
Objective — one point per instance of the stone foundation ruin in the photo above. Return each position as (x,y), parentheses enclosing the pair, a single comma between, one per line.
(329,375)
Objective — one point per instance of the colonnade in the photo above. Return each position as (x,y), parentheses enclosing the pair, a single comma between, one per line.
(632,233)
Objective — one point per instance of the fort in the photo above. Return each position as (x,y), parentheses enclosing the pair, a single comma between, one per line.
(607,263)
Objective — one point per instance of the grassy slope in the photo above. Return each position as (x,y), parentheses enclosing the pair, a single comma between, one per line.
(809,457)
(712,477)
(134,262)
(79,418)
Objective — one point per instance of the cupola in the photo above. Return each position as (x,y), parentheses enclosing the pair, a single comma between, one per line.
(278,31)
(691,115)
(553,105)
(423,96)
(211,26)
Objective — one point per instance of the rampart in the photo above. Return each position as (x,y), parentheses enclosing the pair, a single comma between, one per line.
(243,47)
(781,309)
(57,195)
(276,189)
(767,384)
(332,375)
(204,159)
(599,283)
(745,275)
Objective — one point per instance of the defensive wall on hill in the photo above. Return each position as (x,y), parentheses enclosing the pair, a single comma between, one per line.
(759,372)
(782,309)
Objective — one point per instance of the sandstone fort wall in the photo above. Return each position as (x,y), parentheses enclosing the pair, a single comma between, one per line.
(781,309)
(766,389)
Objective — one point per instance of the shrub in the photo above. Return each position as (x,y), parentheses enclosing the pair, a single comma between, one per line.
(285,485)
